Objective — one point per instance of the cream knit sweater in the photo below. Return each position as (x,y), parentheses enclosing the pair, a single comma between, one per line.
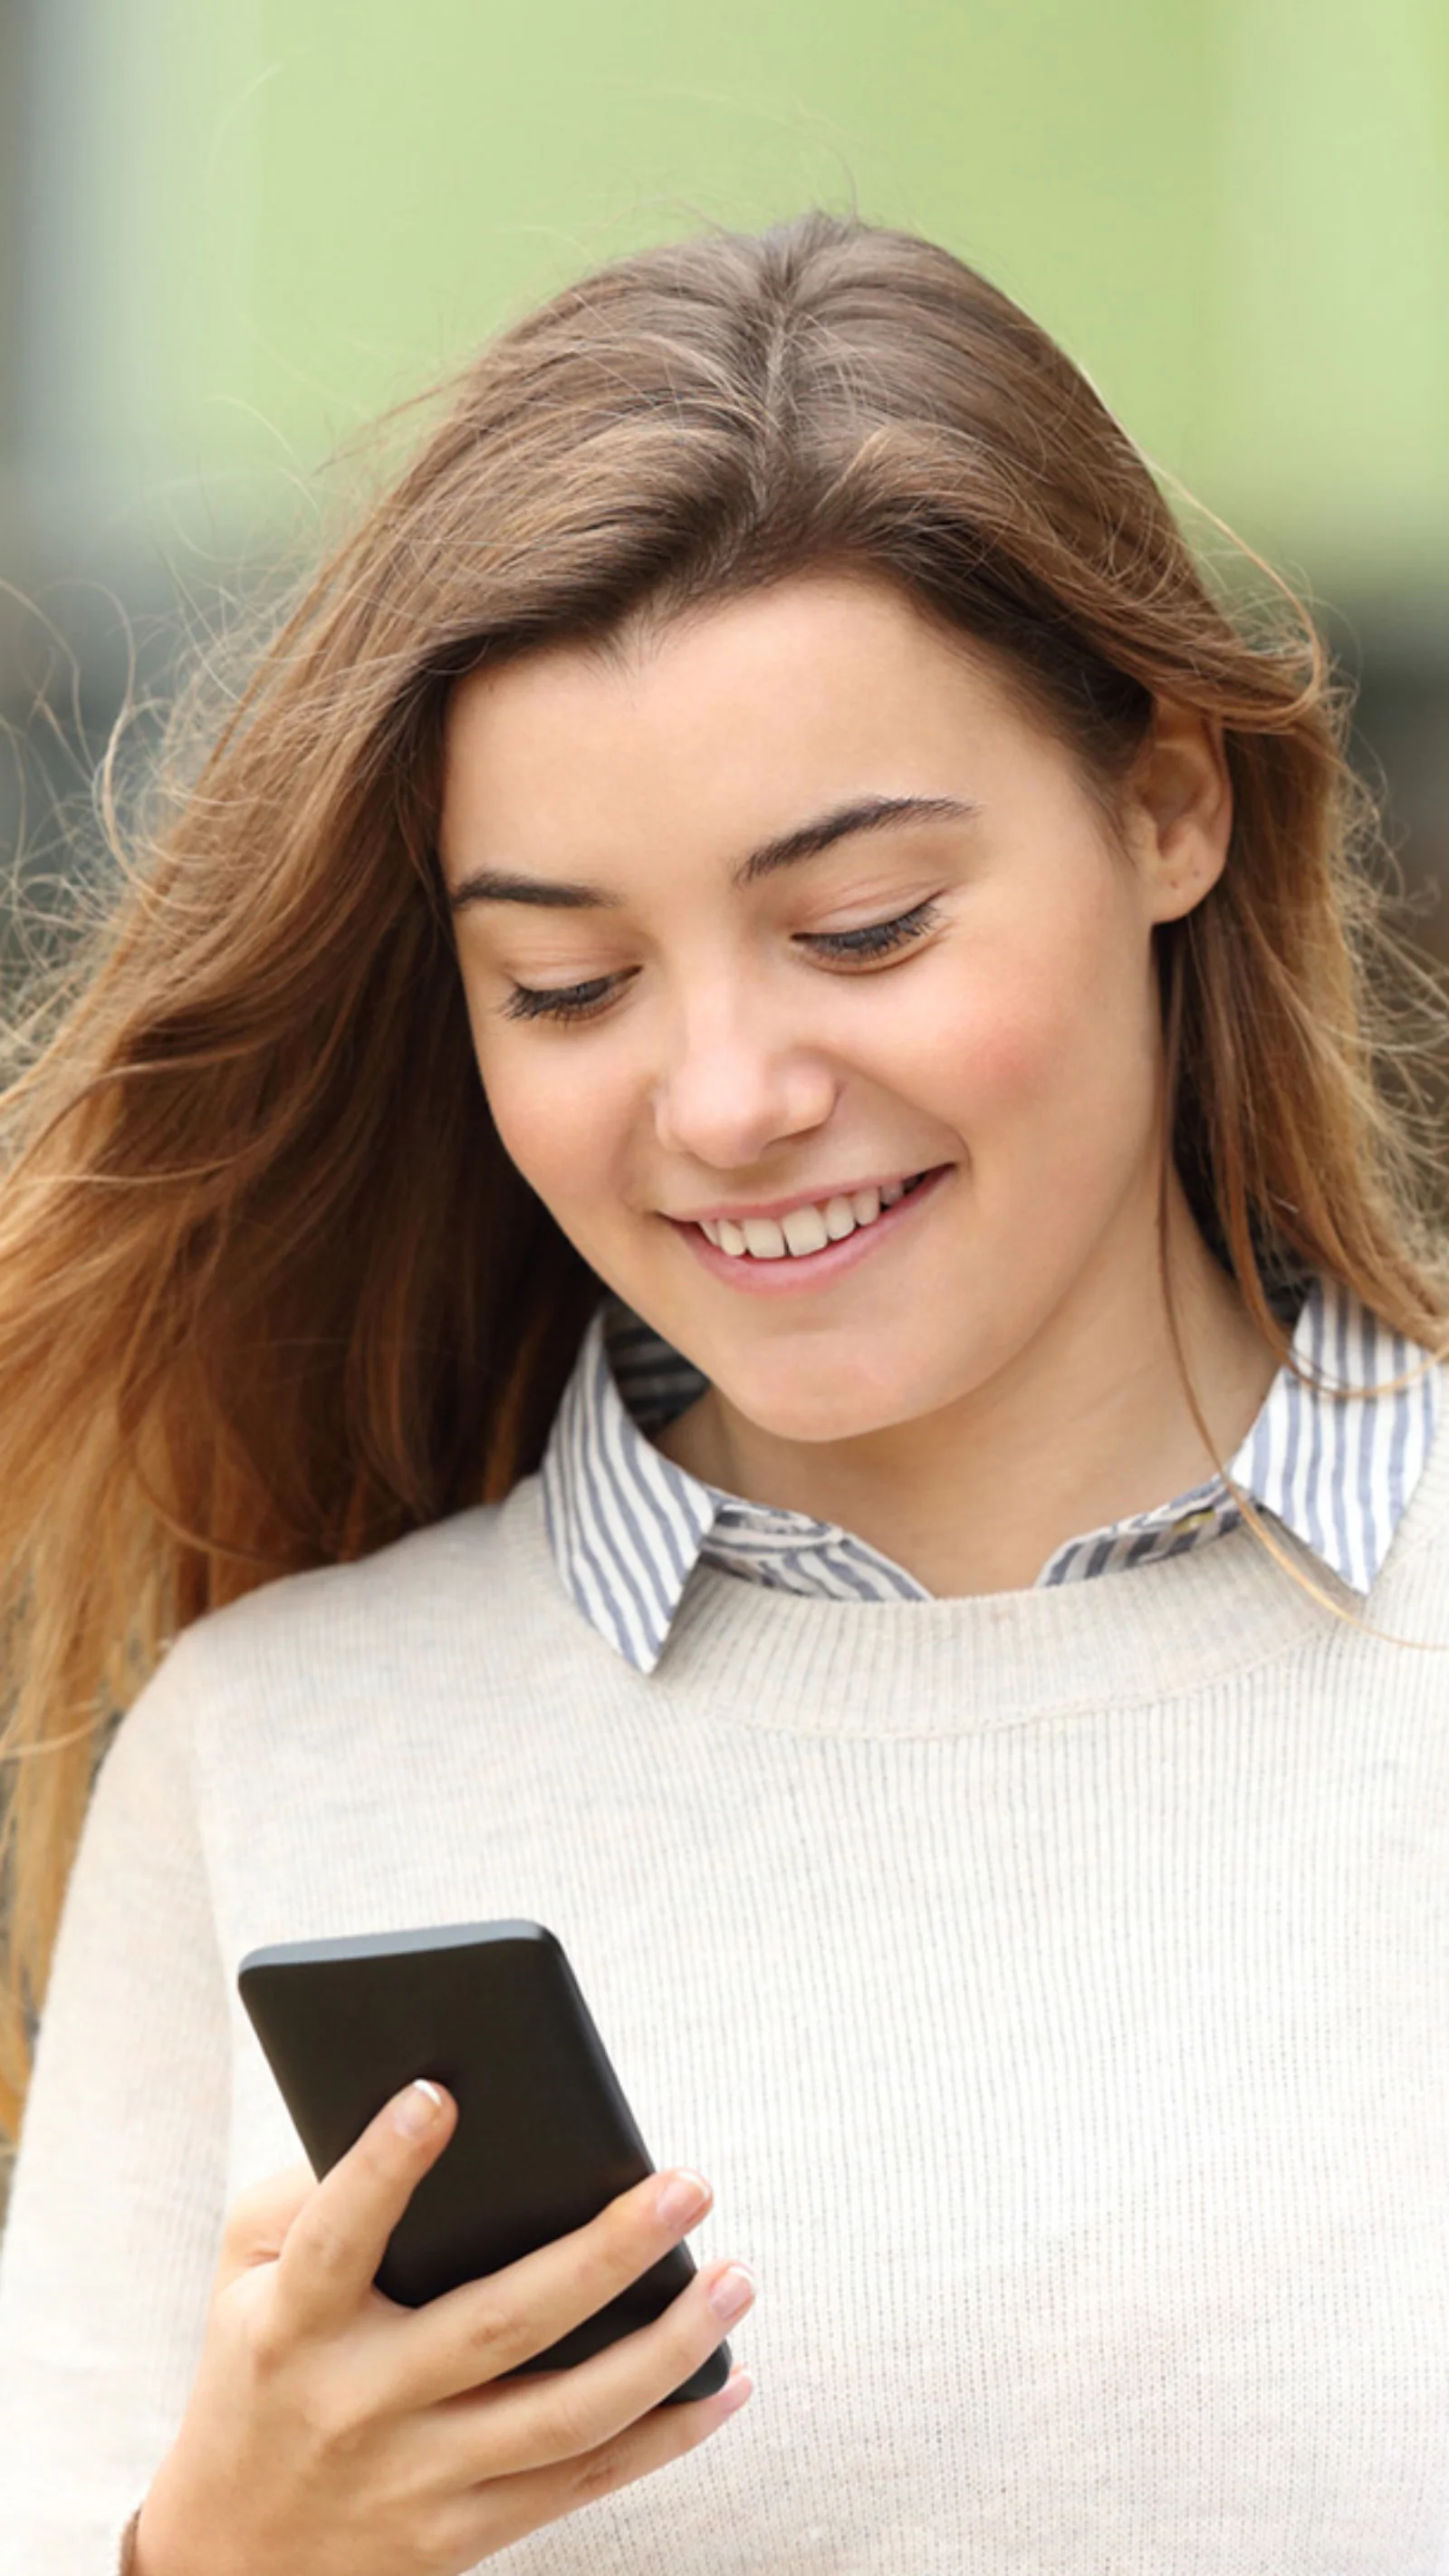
(1054,1987)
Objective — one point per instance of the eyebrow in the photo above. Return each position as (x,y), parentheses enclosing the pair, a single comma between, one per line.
(866,814)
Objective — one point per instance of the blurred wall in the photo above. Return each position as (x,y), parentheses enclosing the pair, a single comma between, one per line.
(238,228)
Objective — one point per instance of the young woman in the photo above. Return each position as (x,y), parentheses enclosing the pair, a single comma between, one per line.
(718,1250)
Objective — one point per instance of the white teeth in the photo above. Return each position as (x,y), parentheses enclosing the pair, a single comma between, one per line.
(804,1230)
(763,1238)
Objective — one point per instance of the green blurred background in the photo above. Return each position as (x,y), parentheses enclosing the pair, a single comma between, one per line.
(230,230)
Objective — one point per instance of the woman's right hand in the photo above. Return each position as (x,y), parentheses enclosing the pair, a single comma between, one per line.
(332,2433)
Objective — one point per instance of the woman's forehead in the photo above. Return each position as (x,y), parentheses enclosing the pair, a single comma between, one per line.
(777,704)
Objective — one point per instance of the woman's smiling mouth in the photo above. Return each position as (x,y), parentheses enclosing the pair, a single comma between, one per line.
(813,1241)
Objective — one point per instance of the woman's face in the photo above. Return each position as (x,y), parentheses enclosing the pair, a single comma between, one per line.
(809,993)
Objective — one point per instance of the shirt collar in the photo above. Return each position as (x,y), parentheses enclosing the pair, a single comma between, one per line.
(1335,1461)
(625,1524)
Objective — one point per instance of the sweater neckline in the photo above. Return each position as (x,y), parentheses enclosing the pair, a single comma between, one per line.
(783,1662)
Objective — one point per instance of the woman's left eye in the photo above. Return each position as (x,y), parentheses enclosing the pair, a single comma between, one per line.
(875,938)
(562,1001)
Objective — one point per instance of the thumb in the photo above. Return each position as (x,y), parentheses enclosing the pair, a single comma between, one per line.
(258,2221)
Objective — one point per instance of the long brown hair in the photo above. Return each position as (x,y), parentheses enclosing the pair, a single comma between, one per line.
(271,1293)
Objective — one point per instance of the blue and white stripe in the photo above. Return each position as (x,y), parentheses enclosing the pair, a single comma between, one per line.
(1334,1456)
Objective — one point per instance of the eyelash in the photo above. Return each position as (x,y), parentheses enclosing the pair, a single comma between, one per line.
(877,938)
(585,1001)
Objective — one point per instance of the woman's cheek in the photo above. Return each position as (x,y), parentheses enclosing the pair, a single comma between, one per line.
(521,1100)
(986,1056)
(1063,1036)
(560,1125)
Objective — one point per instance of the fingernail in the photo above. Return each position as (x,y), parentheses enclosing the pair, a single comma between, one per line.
(415,2111)
(684,2197)
(731,2294)
(737,2390)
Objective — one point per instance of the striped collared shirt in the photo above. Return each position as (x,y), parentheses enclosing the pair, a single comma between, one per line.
(1333,1461)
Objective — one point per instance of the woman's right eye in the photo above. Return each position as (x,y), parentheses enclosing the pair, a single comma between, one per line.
(562,1001)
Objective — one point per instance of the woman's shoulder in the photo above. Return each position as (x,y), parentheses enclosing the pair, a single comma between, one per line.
(373,1616)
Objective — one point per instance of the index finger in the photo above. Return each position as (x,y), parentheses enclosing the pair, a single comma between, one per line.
(334,2246)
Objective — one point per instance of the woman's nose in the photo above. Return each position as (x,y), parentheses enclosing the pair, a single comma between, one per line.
(731,1087)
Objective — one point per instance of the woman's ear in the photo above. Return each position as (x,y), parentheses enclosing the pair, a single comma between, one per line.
(1181,800)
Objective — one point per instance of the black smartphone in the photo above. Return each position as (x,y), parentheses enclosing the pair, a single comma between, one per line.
(544,2139)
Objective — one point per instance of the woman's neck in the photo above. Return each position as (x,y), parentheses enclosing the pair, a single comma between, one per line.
(1090,1423)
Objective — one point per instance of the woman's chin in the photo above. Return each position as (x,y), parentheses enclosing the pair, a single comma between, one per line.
(814,1416)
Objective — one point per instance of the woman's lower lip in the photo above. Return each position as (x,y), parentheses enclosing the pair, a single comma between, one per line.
(796,1273)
